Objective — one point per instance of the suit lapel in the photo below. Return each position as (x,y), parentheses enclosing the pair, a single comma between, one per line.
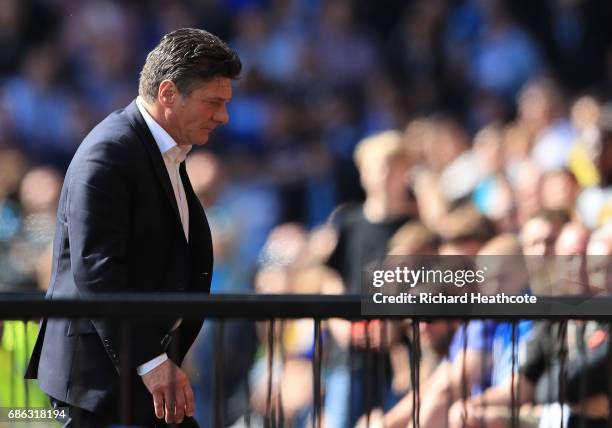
(200,240)
(154,154)
(196,213)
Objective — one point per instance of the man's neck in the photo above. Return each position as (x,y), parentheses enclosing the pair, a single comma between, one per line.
(156,111)
(380,208)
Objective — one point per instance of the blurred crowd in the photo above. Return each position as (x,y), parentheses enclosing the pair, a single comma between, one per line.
(359,129)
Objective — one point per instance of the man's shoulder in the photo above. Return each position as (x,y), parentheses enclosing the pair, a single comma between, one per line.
(119,126)
(115,134)
(113,145)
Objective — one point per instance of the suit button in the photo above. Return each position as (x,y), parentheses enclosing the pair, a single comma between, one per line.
(180,285)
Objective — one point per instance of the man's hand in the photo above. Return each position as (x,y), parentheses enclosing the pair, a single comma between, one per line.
(171,391)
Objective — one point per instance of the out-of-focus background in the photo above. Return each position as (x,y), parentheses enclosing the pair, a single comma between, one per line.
(318,77)
(488,119)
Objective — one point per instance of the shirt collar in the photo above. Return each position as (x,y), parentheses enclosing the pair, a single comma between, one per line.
(167,145)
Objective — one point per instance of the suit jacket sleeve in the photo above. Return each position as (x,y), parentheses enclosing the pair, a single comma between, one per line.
(98,226)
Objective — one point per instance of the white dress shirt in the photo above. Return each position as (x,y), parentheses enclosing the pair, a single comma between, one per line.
(173,155)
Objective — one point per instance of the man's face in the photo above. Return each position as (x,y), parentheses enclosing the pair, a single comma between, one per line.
(600,267)
(504,273)
(570,250)
(539,237)
(193,117)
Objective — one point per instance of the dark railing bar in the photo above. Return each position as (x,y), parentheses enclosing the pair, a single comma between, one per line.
(317,358)
(219,391)
(269,421)
(264,307)
(26,343)
(193,305)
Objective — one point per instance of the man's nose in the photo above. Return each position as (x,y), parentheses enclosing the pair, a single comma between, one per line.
(221,116)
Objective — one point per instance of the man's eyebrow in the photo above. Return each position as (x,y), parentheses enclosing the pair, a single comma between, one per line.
(218,99)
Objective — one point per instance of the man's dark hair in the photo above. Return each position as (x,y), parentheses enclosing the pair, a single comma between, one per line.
(188,57)
(559,217)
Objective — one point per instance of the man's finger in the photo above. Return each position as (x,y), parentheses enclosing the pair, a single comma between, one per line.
(158,403)
(169,408)
(189,400)
(179,409)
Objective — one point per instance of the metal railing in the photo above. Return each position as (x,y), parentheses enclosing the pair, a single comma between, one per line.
(270,308)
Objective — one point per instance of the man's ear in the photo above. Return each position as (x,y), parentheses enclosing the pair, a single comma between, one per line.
(167,93)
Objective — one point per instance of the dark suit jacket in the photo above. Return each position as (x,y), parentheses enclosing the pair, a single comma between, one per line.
(118,230)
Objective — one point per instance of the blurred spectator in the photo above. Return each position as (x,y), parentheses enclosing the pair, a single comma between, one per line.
(363,234)
(209,182)
(11,35)
(438,182)
(464,230)
(595,201)
(337,118)
(571,249)
(363,231)
(343,54)
(29,226)
(230,275)
(559,190)
(583,343)
(491,146)
(383,106)
(538,237)
(13,165)
(40,109)
(98,46)
(506,270)
(526,181)
(460,372)
(276,52)
(599,266)
(488,157)
(505,56)
(415,50)
(539,234)
(585,114)
(542,110)
(413,238)
(288,266)
(24,24)
(501,256)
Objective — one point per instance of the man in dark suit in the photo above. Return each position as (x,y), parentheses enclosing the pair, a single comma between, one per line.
(129,221)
